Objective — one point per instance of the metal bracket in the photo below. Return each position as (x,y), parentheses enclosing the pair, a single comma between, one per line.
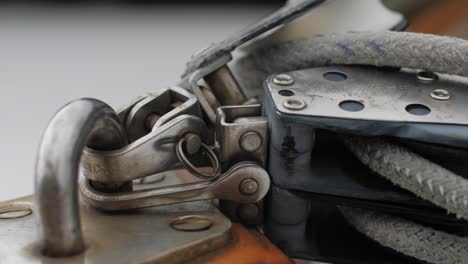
(153,111)
(148,155)
(242,134)
(139,236)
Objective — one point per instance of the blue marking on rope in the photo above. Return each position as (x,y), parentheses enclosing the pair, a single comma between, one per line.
(345,46)
(376,47)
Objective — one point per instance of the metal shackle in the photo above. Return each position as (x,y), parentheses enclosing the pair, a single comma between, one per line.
(83,122)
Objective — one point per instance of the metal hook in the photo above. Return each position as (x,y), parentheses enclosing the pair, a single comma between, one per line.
(82,122)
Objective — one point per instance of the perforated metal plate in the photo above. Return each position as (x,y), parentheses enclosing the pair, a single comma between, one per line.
(365,93)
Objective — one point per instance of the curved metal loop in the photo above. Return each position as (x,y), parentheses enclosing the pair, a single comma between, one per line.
(228,186)
(81,122)
(194,170)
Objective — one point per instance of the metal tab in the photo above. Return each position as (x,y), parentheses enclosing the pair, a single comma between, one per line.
(242,134)
(148,155)
(228,186)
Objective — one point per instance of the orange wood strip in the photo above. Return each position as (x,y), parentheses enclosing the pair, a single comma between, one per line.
(247,247)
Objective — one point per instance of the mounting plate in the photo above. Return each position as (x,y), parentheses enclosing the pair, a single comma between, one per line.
(136,236)
(365,93)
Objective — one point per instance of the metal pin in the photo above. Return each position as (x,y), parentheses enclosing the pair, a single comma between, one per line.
(248,186)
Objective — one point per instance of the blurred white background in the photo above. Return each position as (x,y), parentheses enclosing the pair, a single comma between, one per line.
(49,56)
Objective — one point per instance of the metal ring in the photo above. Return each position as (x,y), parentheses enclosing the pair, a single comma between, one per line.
(194,170)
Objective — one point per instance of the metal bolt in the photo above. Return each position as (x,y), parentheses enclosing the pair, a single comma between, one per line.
(427,77)
(11,211)
(440,94)
(283,80)
(294,104)
(192,143)
(248,213)
(150,121)
(251,141)
(248,186)
(189,223)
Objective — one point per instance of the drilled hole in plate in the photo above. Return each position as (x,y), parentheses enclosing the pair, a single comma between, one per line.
(12,211)
(418,109)
(335,76)
(427,76)
(351,106)
(286,92)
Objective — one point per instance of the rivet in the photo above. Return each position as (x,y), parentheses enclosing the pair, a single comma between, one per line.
(440,94)
(294,103)
(251,141)
(248,186)
(283,80)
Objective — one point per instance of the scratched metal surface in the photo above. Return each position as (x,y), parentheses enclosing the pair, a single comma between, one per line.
(137,236)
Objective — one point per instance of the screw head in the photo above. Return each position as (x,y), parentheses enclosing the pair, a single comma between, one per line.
(14,210)
(190,223)
(294,103)
(251,141)
(283,79)
(248,186)
(440,94)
